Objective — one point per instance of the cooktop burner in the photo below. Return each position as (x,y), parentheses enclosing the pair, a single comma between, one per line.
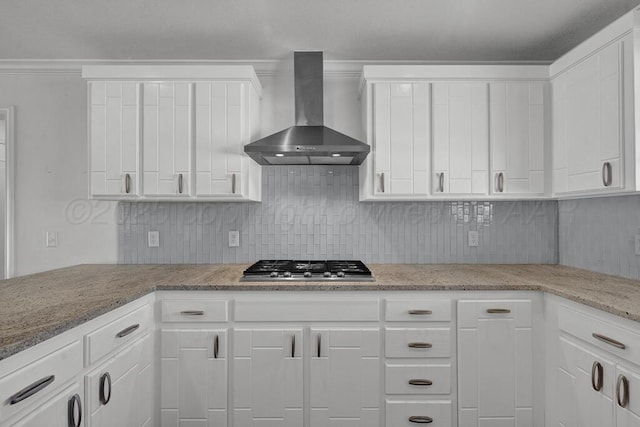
(276,270)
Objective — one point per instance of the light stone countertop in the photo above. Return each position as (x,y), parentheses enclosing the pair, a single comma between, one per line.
(36,307)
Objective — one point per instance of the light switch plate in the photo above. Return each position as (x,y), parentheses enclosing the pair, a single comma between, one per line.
(153,239)
(473,238)
(234,239)
(52,239)
(637,244)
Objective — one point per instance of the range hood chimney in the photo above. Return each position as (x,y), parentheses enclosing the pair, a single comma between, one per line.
(309,142)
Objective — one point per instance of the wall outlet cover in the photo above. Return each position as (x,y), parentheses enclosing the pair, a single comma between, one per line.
(153,239)
(637,244)
(234,239)
(52,239)
(473,238)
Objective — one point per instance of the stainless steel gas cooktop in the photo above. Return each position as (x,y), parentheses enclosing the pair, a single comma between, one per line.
(311,271)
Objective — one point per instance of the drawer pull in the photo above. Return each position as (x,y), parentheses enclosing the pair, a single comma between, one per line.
(420,345)
(74,403)
(609,341)
(420,419)
(422,383)
(293,345)
(622,396)
(31,389)
(105,385)
(498,311)
(192,313)
(420,312)
(319,344)
(127,331)
(216,347)
(596,371)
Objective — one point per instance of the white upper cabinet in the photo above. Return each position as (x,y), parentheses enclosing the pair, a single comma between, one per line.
(517,134)
(460,138)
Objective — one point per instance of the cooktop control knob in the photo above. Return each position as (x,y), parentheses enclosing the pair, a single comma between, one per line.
(340,273)
(327,274)
(274,274)
(287,274)
(307,274)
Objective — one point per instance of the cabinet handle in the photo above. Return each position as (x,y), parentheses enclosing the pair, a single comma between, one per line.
(421,383)
(127,183)
(382,182)
(607,175)
(180,183)
(216,346)
(293,346)
(127,331)
(319,343)
(233,183)
(622,396)
(104,380)
(609,341)
(596,370)
(420,312)
(498,311)
(499,182)
(74,403)
(32,389)
(192,313)
(420,419)
(441,182)
(420,345)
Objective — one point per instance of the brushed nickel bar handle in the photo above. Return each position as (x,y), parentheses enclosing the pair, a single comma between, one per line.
(607,175)
(501,182)
(127,183)
(498,311)
(71,411)
(382,182)
(180,183)
(192,313)
(419,345)
(233,183)
(596,370)
(104,380)
(293,345)
(421,383)
(609,341)
(420,312)
(420,419)
(319,344)
(31,389)
(441,182)
(623,382)
(127,331)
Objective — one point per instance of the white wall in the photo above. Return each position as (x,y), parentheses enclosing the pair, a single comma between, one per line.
(51,156)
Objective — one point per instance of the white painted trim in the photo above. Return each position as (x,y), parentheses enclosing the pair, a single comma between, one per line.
(9,244)
(455,72)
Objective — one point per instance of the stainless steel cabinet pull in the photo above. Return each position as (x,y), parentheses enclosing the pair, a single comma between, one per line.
(609,341)
(216,346)
(180,183)
(420,382)
(607,175)
(127,183)
(441,182)
(420,345)
(420,312)
(104,380)
(596,371)
(126,331)
(293,345)
(74,403)
(499,182)
(382,182)
(233,183)
(420,419)
(498,311)
(32,389)
(622,396)
(192,313)
(319,344)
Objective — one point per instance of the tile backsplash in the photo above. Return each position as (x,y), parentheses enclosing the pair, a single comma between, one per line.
(598,234)
(313,212)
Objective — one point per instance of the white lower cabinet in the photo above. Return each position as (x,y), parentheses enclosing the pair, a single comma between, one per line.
(62,410)
(627,401)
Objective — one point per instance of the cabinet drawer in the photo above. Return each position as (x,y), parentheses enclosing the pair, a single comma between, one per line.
(37,379)
(600,333)
(418,379)
(418,310)
(195,311)
(399,413)
(307,311)
(418,342)
(102,341)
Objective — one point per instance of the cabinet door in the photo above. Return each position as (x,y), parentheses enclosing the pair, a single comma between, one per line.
(345,377)
(167,139)
(267,378)
(401,138)
(627,400)
(62,410)
(193,377)
(517,138)
(119,392)
(495,363)
(460,138)
(222,129)
(114,138)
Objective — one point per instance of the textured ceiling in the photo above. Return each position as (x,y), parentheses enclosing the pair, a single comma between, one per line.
(376,30)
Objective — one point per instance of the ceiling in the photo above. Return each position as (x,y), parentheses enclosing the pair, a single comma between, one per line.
(373,30)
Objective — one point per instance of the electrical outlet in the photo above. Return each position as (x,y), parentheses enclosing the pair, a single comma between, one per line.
(637,244)
(234,239)
(52,239)
(473,238)
(153,238)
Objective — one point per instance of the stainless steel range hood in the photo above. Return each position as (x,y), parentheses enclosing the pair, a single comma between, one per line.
(309,142)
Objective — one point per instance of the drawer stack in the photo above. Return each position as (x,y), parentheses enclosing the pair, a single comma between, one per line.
(418,369)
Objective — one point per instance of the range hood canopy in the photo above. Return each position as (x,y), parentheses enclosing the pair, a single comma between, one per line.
(309,142)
